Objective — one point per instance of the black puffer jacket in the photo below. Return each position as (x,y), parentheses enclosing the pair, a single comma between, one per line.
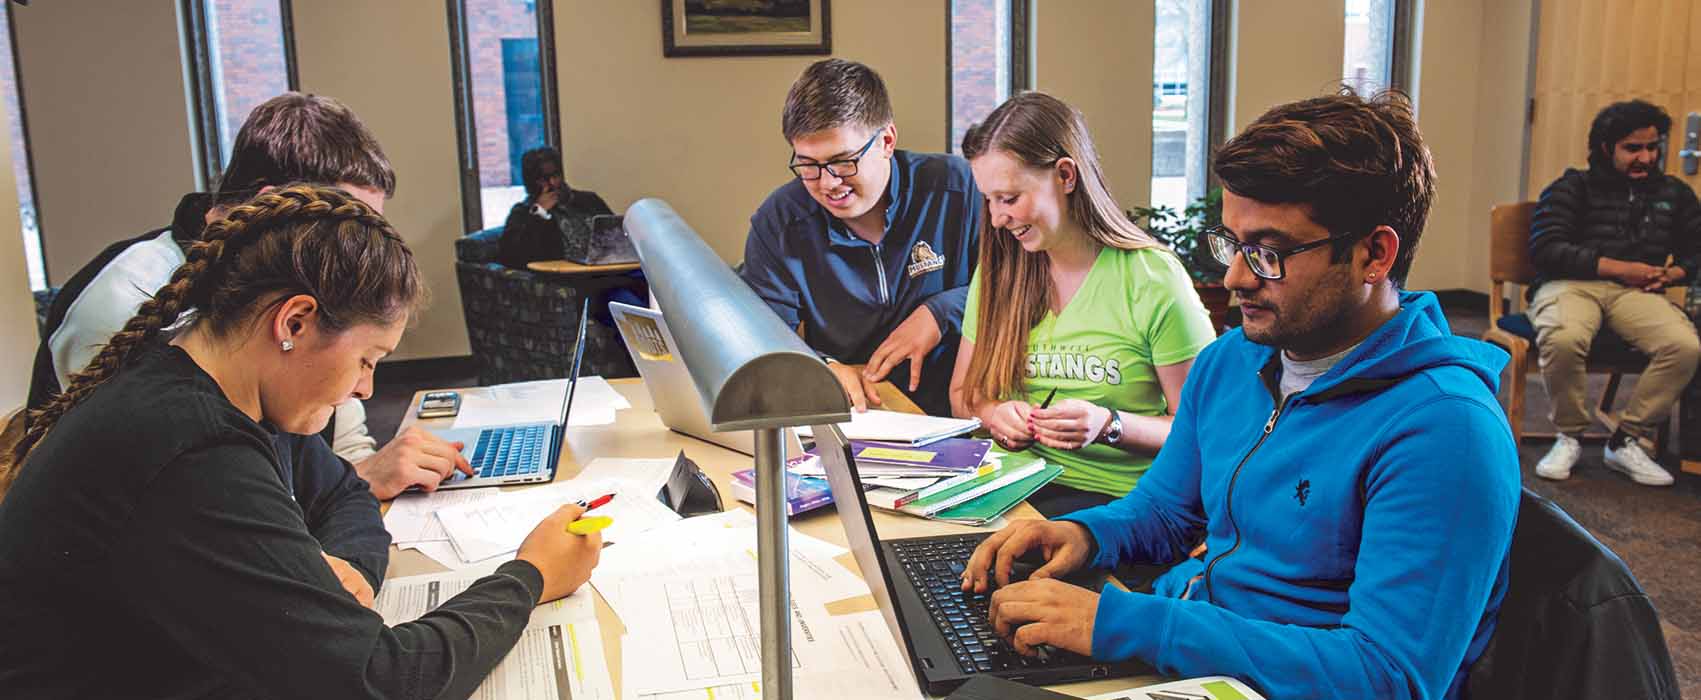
(1586,215)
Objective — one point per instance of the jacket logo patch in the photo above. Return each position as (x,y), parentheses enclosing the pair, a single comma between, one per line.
(923,260)
(1662,206)
(1302,491)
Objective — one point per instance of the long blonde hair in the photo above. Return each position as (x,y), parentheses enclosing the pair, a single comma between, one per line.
(1015,287)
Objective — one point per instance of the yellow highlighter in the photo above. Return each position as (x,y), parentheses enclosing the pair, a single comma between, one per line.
(588,525)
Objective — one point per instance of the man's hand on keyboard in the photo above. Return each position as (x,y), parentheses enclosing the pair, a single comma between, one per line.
(414,458)
(1064,544)
(1046,611)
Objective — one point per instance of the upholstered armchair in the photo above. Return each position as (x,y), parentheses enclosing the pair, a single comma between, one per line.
(522,324)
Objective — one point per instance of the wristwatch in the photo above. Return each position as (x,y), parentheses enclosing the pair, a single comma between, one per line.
(1111,433)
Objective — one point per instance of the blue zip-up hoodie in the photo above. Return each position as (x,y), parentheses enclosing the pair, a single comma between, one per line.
(1358,533)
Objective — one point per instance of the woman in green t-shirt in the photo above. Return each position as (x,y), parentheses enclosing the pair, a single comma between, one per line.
(1084,304)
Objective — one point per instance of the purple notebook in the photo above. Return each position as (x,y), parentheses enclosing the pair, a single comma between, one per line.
(951,454)
(803,493)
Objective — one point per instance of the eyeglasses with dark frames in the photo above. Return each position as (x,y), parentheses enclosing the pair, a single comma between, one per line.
(839,168)
(1262,260)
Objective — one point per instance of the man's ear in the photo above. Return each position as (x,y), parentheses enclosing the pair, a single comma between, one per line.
(1383,243)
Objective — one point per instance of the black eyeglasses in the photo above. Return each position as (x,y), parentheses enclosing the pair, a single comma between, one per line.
(1262,260)
(839,168)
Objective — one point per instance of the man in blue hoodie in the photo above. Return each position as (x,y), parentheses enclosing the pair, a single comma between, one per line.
(869,249)
(1342,452)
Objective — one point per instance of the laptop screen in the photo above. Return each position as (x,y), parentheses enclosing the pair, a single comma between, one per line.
(842,478)
(578,356)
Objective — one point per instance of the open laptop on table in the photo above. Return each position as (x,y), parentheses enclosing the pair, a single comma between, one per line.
(669,381)
(917,583)
(517,454)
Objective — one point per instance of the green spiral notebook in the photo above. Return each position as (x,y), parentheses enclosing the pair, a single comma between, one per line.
(988,506)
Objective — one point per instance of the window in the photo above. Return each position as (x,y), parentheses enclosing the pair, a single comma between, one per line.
(505,84)
(242,54)
(1368,63)
(988,60)
(20,154)
(1186,97)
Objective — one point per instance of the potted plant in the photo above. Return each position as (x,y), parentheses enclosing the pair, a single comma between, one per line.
(1184,233)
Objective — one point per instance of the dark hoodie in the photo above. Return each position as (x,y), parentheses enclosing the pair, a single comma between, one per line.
(1586,215)
(1358,534)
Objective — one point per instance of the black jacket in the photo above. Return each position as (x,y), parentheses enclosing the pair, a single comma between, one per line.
(1586,215)
(151,548)
(527,237)
(1575,623)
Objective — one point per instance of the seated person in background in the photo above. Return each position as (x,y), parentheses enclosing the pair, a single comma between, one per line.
(1086,305)
(171,550)
(1343,451)
(1605,243)
(870,249)
(289,138)
(550,210)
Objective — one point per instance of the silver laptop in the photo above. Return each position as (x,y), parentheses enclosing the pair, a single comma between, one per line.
(917,584)
(517,454)
(669,381)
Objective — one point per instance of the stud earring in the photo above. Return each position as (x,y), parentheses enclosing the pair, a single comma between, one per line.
(287,345)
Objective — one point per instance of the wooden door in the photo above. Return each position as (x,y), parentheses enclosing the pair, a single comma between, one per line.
(1591,53)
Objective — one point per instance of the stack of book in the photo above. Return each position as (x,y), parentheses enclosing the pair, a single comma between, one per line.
(974,498)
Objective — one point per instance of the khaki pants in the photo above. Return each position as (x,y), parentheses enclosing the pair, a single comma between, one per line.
(1568,313)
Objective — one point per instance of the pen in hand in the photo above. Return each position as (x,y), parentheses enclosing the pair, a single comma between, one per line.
(1048,397)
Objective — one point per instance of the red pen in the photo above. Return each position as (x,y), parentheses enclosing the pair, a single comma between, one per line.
(597,502)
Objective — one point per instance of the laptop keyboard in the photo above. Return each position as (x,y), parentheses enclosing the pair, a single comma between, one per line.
(935,567)
(509,451)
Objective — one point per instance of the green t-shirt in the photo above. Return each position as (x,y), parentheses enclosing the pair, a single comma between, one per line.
(1136,311)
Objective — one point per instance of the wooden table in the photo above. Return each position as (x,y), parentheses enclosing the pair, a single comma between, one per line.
(638,433)
(568,267)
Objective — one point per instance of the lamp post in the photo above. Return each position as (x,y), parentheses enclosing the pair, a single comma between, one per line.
(751,373)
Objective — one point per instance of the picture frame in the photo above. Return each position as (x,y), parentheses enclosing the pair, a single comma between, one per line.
(692,28)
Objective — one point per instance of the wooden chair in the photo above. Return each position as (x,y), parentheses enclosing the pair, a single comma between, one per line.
(1510,273)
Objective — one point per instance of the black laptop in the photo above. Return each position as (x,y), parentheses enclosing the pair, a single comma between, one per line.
(918,585)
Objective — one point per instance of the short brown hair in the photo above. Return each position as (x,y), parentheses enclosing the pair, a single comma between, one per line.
(296,137)
(833,93)
(1355,163)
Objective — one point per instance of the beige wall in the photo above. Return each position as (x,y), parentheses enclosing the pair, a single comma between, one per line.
(1097,56)
(1285,50)
(103,82)
(17,306)
(389,61)
(1471,89)
(704,133)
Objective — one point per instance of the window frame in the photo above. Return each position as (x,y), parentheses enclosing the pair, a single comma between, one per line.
(29,153)
(466,122)
(194,36)
(1020,78)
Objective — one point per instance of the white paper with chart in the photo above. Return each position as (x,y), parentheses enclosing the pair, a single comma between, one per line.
(559,655)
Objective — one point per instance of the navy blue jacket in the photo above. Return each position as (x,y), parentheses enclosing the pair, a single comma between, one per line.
(849,294)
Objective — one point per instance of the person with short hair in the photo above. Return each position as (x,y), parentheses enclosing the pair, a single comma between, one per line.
(293,137)
(1087,306)
(551,210)
(869,250)
(1606,242)
(1342,451)
(150,529)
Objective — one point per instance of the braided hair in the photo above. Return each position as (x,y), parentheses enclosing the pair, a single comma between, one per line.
(301,239)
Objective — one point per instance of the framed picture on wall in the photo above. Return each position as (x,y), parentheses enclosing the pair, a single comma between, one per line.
(745,27)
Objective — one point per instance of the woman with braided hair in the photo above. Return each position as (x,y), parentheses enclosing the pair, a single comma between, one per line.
(147,525)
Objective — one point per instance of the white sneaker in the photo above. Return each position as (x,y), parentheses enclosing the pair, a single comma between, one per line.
(1636,464)
(1557,463)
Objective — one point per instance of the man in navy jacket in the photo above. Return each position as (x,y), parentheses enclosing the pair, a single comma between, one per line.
(869,250)
(1342,452)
